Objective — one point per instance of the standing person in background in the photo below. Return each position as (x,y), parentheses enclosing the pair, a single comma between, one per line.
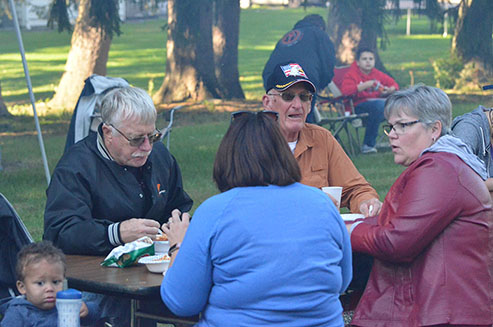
(367,86)
(475,128)
(309,45)
(267,250)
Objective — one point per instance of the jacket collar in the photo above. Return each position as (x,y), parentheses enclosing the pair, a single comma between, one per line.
(454,145)
(305,141)
(103,151)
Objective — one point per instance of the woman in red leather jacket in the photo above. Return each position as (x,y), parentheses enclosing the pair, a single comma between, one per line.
(433,240)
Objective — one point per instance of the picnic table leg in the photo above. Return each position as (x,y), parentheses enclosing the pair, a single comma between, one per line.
(133,309)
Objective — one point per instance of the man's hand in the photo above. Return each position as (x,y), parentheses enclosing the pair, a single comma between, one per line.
(336,203)
(135,228)
(370,207)
(176,227)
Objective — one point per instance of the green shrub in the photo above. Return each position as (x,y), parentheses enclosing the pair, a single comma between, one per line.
(446,71)
(472,77)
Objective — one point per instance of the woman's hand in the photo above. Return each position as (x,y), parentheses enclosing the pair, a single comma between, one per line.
(370,207)
(176,227)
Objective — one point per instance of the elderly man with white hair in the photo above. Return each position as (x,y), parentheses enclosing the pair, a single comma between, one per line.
(116,185)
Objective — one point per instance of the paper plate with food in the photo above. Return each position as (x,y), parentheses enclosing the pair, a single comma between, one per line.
(157,263)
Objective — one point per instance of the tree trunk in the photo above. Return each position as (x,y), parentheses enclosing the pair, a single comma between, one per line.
(88,55)
(226,31)
(294,3)
(353,24)
(472,41)
(3,108)
(190,59)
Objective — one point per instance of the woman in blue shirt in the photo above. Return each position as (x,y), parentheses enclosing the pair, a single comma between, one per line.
(266,251)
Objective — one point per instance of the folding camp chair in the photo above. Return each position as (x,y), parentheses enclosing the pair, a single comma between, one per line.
(86,116)
(169,116)
(13,236)
(337,112)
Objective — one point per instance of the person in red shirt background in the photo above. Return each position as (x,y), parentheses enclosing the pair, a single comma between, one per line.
(368,86)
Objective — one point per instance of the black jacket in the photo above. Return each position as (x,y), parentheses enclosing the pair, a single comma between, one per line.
(309,46)
(89,195)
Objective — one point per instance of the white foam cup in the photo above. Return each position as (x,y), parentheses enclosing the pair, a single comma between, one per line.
(335,192)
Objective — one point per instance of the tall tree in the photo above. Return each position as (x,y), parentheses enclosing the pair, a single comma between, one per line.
(190,71)
(226,31)
(94,28)
(357,23)
(472,40)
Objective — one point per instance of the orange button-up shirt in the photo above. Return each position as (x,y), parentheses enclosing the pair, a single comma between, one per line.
(323,162)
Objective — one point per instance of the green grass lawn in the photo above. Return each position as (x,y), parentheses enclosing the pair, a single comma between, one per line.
(139,56)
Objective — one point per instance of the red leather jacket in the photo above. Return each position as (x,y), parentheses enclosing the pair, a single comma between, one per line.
(433,249)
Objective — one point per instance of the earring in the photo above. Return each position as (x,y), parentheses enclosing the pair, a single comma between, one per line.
(434,139)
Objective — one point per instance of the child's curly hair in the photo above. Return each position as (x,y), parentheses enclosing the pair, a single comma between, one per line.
(35,252)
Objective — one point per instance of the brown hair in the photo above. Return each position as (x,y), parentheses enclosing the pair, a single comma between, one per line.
(360,51)
(34,253)
(254,153)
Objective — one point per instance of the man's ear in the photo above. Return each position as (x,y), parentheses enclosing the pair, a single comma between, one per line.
(107,132)
(21,287)
(267,102)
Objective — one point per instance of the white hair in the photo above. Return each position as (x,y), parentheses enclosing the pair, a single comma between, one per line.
(127,103)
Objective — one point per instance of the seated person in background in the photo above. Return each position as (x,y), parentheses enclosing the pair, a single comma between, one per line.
(367,85)
(309,45)
(115,186)
(322,160)
(476,130)
(40,273)
(432,240)
(267,251)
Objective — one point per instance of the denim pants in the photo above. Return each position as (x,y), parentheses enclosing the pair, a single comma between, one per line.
(374,108)
(115,310)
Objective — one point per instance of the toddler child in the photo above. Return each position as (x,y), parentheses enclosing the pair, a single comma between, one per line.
(40,273)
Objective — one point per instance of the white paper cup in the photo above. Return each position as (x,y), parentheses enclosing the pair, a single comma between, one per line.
(161,246)
(335,192)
